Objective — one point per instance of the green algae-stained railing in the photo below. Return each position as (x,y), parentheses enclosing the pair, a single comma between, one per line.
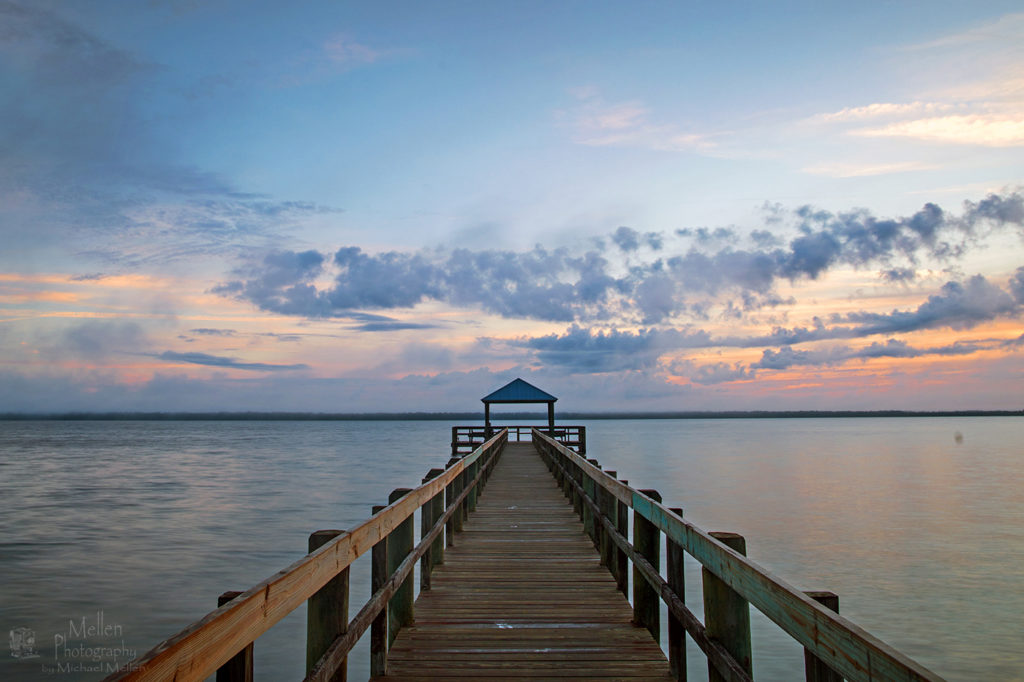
(221,641)
(835,647)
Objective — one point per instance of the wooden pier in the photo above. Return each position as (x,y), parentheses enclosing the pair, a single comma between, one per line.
(527,553)
(523,594)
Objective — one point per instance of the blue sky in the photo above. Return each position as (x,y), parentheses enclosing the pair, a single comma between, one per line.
(400,206)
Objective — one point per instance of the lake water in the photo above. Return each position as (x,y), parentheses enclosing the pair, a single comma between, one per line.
(114,535)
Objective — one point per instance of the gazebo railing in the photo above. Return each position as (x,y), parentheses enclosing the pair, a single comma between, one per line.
(465,439)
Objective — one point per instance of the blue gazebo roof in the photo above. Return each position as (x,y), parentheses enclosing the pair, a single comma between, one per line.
(519,391)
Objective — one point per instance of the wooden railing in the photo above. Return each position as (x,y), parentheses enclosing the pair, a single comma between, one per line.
(221,642)
(467,438)
(834,647)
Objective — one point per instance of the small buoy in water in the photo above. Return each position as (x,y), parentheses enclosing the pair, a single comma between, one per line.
(958,437)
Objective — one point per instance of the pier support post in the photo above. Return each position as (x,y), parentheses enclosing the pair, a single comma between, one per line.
(727,614)
(647,543)
(239,668)
(814,668)
(674,554)
(326,611)
(379,627)
(400,543)
(621,559)
(430,513)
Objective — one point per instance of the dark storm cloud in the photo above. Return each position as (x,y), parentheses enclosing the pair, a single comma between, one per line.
(225,362)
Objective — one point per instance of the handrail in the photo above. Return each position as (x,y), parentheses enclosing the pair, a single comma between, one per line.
(840,644)
(197,651)
(469,436)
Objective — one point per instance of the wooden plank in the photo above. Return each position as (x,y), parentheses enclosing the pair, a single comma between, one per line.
(523,595)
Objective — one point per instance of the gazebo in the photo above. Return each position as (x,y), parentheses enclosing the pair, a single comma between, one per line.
(519,391)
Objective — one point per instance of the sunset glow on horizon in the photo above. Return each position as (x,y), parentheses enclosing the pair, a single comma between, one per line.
(401,206)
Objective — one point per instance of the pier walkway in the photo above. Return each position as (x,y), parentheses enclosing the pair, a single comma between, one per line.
(523,595)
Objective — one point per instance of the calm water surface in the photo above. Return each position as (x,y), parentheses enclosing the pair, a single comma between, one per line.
(114,535)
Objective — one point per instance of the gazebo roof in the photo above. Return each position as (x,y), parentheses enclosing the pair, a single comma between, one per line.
(519,391)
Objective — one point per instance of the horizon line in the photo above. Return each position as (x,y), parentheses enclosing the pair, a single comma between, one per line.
(252,415)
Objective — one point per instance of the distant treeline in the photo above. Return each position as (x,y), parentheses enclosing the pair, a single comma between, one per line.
(498,419)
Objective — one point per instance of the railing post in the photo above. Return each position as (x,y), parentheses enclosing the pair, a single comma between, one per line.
(429,514)
(326,611)
(379,627)
(239,668)
(647,543)
(621,558)
(400,543)
(727,614)
(589,521)
(577,498)
(450,493)
(463,511)
(473,470)
(674,554)
(814,668)
(566,475)
(610,511)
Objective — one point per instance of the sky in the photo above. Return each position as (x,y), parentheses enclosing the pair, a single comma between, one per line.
(401,206)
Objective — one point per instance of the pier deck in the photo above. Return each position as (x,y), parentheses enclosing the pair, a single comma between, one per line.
(523,595)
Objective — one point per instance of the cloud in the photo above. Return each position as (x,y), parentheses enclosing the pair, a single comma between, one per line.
(851,170)
(225,362)
(206,331)
(650,288)
(343,50)
(84,170)
(626,239)
(597,123)
(787,357)
(96,339)
(711,373)
(957,306)
(988,130)
(1017,286)
(590,351)
(883,109)
(392,326)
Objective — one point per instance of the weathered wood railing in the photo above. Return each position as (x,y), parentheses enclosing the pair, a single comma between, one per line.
(834,647)
(222,641)
(468,438)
